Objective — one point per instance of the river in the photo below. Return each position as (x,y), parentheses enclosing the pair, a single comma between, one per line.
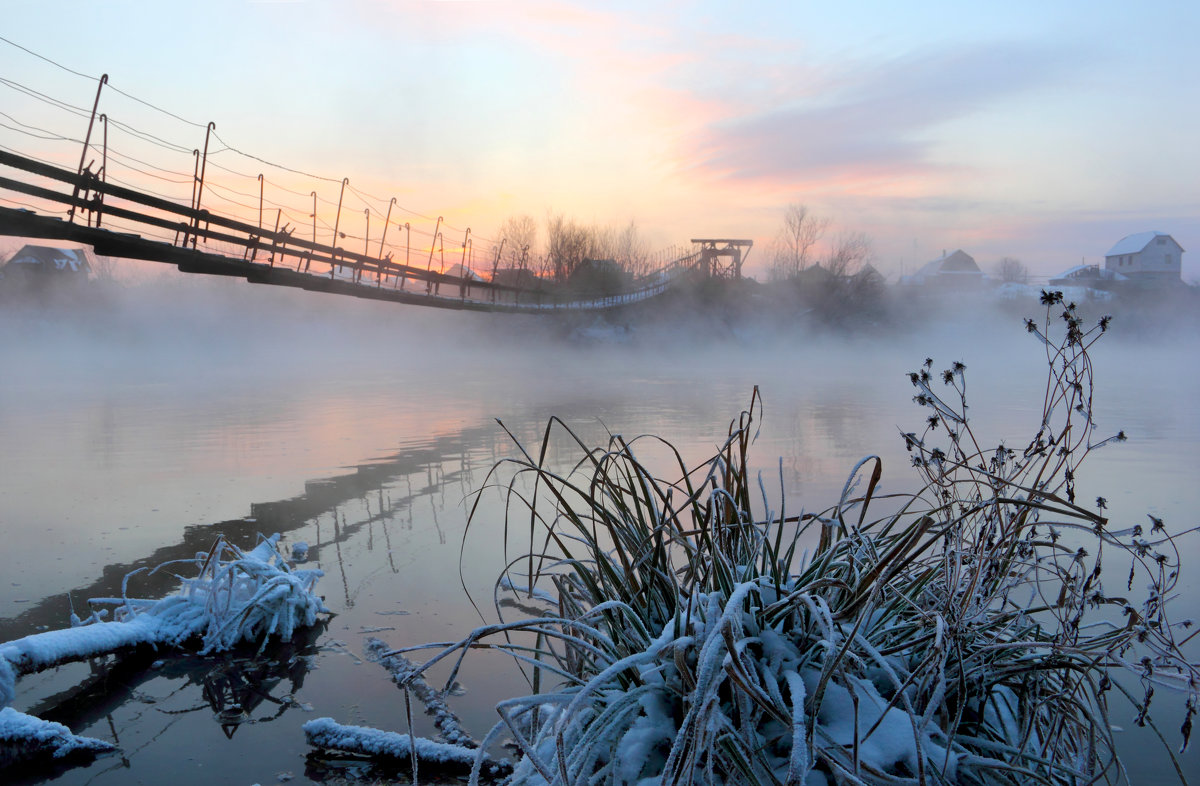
(135,437)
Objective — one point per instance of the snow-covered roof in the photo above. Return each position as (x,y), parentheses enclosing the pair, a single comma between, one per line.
(1089,271)
(458,271)
(1132,244)
(955,263)
(67,260)
(1076,270)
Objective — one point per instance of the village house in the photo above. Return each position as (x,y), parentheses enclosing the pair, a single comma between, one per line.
(956,270)
(41,270)
(1090,276)
(1147,257)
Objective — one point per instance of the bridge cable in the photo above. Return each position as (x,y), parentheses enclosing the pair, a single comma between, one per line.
(146,136)
(109,84)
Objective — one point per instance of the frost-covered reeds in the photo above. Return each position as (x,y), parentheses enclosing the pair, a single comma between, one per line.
(236,596)
(966,635)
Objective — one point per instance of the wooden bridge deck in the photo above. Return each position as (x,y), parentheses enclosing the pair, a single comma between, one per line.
(211,244)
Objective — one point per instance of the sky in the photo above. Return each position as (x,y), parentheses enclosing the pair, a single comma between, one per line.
(1041,131)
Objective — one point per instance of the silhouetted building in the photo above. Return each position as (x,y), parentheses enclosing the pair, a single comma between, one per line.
(956,270)
(598,277)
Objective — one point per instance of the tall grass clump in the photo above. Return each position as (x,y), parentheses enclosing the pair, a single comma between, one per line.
(964,633)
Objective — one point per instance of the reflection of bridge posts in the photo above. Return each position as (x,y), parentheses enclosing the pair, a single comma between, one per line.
(320,497)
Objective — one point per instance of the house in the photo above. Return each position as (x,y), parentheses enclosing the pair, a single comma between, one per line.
(598,277)
(520,277)
(1147,257)
(41,270)
(458,271)
(954,271)
(1091,276)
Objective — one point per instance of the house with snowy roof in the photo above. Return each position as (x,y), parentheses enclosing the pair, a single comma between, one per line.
(954,271)
(1085,275)
(1146,257)
(39,270)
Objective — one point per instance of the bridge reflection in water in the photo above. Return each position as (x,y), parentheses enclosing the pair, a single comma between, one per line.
(366,529)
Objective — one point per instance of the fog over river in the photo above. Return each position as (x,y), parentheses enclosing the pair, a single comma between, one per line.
(136,433)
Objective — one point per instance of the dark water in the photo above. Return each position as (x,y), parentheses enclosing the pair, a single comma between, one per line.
(134,441)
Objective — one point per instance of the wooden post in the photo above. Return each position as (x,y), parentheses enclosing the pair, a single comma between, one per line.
(86,141)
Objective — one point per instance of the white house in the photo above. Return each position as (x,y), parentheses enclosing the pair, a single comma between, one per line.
(956,270)
(40,270)
(1146,256)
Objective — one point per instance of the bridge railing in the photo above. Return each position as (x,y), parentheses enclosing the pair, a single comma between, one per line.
(207,234)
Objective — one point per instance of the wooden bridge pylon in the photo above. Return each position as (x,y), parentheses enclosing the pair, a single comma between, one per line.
(713,252)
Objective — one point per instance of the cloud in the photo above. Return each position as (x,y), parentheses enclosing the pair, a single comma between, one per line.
(879,120)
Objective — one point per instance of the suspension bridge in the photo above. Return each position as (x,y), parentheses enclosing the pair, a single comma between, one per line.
(113,202)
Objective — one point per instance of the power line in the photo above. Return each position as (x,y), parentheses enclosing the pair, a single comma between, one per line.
(29,91)
(48,135)
(112,87)
(233,149)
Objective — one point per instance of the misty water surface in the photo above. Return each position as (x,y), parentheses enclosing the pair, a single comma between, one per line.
(136,436)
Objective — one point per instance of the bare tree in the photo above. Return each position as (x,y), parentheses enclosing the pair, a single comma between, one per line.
(631,250)
(518,236)
(850,252)
(793,250)
(1012,271)
(518,232)
(567,244)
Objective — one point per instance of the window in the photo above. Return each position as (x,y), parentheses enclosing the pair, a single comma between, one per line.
(1162,241)
(1167,259)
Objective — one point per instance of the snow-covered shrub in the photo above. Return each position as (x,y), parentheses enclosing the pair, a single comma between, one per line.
(965,636)
(236,596)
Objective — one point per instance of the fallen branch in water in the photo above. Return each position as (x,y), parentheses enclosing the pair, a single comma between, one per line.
(330,735)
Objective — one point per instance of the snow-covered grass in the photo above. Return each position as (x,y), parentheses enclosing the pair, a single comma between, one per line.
(965,635)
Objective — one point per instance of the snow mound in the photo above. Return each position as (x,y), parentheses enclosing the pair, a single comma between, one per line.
(24,736)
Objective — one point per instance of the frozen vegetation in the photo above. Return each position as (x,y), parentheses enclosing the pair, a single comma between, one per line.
(959,634)
(236,596)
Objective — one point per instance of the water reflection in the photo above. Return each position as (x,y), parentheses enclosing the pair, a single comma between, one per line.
(363,528)
(324,505)
(389,532)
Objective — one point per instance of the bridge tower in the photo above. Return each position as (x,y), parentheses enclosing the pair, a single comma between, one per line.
(722,257)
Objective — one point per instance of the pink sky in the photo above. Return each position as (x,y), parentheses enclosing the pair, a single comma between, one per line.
(1041,133)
